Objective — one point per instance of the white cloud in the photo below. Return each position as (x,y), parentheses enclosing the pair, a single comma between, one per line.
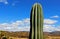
(4,1)
(24,25)
(14,3)
(49,25)
(49,21)
(50,28)
(20,25)
(56,16)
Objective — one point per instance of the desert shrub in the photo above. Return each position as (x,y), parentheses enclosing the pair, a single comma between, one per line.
(4,38)
(10,38)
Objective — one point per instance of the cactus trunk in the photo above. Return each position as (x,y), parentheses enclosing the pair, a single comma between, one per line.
(36,22)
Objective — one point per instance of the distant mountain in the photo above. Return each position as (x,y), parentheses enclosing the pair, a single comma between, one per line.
(55,33)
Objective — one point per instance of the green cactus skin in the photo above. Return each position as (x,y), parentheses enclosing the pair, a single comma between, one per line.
(36,22)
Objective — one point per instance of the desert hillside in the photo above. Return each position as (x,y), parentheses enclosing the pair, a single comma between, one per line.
(21,34)
(25,35)
(52,35)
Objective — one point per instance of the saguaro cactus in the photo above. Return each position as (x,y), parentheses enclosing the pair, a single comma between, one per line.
(36,22)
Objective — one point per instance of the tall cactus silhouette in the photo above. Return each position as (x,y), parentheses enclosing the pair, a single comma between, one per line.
(36,22)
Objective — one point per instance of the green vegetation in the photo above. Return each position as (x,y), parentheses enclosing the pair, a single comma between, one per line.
(36,22)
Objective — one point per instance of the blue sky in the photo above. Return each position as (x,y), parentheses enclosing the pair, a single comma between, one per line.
(15,14)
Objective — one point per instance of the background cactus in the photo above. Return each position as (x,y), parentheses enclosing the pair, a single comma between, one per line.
(36,22)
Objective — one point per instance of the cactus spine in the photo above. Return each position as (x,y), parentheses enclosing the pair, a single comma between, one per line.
(36,22)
